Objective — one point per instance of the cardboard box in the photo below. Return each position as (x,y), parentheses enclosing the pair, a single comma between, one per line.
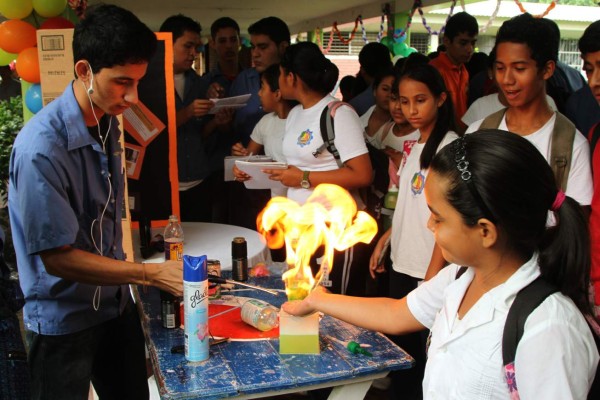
(55,53)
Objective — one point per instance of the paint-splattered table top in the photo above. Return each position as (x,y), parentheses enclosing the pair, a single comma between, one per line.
(251,369)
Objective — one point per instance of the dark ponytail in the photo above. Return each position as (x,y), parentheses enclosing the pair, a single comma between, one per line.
(511,184)
(430,77)
(306,61)
(565,254)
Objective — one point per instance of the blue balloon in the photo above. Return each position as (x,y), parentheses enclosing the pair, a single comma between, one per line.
(397,37)
(33,98)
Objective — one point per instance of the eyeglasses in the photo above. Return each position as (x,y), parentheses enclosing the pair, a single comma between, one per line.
(462,165)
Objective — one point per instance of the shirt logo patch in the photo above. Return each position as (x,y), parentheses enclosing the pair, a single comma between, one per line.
(305,138)
(417,183)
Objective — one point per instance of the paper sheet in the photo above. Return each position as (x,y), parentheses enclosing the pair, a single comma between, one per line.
(259,179)
(229,162)
(229,102)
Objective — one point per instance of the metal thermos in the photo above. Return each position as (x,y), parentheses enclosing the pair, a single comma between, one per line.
(239,259)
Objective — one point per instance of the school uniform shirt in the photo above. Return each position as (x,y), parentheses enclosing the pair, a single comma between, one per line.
(555,359)
(269,133)
(487,105)
(374,140)
(579,186)
(58,192)
(397,142)
(412,243)
(303,137)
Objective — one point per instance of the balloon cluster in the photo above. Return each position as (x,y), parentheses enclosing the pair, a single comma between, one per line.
(18,39)
(396,44)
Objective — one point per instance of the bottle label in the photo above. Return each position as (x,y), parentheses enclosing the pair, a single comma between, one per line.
(195,307)
(173,251)
(214,289)
(169,309)
(251,311)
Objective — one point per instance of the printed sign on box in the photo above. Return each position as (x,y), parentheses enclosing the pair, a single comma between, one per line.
(55,53)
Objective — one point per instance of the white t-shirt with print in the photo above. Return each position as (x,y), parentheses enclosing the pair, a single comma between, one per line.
(412,243)
(397,142)
(303,137)
(579,186)
(269,132)
(556,357)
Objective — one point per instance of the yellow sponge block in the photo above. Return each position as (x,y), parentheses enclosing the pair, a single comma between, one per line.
(298,335)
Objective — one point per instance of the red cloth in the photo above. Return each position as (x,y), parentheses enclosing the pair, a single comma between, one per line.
(456,79)
(595,220)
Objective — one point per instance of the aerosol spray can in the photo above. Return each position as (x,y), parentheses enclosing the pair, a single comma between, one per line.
(239,259)
(195,308)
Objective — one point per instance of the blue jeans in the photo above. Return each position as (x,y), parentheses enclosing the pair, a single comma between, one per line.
(110,355)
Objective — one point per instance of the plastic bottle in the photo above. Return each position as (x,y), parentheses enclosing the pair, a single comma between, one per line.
(195,308)
(170,305)
(260,315)
(173,239)
(389,204)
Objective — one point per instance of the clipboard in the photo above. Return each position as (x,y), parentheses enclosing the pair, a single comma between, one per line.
(229,162)
(259,179)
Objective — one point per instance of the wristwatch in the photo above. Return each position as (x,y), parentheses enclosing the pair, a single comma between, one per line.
(305,183)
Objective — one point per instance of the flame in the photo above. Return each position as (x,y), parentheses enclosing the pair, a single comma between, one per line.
(329,218)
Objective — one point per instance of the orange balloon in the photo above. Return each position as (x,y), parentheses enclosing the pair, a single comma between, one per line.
(28,65)
(16,35)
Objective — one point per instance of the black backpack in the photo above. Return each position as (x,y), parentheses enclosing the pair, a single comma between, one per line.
(527,300)
(379,160)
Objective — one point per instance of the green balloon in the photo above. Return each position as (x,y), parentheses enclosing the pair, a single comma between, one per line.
(49,8)
(15,9)
(387,42)
(400,49)
(6,58)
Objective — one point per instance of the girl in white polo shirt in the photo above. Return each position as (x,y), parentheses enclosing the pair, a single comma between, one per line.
(489,194)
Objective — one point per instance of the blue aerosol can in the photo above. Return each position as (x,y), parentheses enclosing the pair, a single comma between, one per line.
(195,308)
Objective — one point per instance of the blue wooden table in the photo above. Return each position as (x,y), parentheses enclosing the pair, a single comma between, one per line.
(252,369)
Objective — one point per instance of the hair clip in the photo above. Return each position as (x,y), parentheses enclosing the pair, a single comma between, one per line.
(462,165)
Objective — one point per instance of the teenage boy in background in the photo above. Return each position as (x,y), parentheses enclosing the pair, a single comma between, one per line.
(225,41)
(460,36)
(66,191)
(526,51)
(269,38)
(195,197)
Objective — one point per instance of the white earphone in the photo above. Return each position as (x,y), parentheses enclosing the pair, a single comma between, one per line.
(90,90)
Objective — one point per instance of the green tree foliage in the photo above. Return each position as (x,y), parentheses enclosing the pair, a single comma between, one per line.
(11,122)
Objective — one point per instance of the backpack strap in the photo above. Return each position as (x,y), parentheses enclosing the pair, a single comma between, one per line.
(561,150)
(328,131)
(493,121)
(527,300)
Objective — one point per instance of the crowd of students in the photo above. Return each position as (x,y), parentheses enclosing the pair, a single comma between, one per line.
(510,199)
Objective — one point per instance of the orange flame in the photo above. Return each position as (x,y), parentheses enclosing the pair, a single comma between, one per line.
(329,218)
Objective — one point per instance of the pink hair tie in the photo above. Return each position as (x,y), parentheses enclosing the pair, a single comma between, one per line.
(560,197)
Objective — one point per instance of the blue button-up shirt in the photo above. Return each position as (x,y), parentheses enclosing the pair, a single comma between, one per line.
(58,189)
(192,160)
(246,118)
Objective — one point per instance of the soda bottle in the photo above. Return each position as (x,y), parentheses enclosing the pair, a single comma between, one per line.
(173,239)
(389,204)
(260,315)
(170,305)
